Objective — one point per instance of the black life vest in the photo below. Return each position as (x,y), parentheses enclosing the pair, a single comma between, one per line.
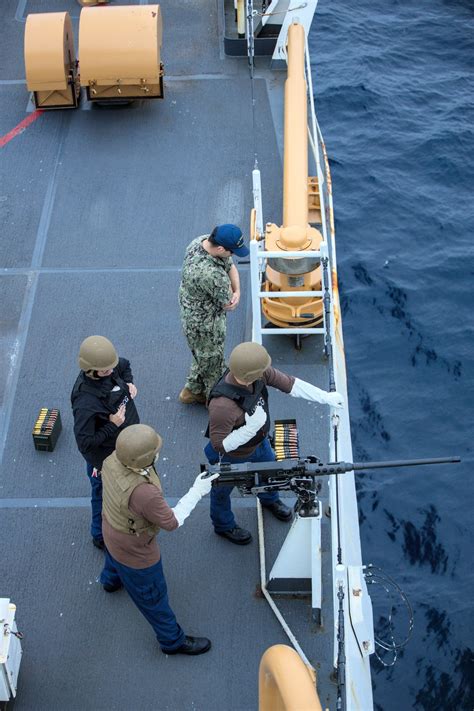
(96,400)
(109,398)
(103,391)
(246,400)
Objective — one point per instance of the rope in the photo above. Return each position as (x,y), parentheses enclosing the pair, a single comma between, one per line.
(280,12)
(335,419)
(8,630)
(341,652)
(251,61)
(379,577)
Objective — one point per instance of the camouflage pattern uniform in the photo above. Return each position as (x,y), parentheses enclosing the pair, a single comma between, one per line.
(205,289)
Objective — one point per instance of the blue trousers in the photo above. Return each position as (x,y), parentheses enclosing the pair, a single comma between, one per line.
(96,503)
(221,511)
(147,588)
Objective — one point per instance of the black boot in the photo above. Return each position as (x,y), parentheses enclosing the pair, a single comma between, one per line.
(192,646)
(280,510)
(237,535)
(112,588)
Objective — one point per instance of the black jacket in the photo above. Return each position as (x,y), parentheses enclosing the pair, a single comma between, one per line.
(92,403)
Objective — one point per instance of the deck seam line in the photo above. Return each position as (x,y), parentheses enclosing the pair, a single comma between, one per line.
(95,270)
(30,293)
(20,11)
(167,77)
(85,502)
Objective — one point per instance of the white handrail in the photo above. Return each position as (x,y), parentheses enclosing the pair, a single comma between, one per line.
(288,294)
(299,254)
(257,200)
(292,331)
(313,140)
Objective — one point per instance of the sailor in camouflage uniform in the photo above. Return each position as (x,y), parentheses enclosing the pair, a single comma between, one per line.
(210,287)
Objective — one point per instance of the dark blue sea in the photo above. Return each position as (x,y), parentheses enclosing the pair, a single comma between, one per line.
(394,90)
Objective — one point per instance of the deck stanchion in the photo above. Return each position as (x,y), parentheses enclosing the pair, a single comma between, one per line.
(257,200)
(255,291)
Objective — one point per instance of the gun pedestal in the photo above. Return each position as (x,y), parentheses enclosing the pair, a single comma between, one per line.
(297,569)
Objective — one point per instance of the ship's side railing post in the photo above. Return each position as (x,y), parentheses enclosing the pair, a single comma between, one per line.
(255,290)
(257,200)
(313,139)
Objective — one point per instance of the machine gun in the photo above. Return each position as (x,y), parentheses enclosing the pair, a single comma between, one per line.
(298,476)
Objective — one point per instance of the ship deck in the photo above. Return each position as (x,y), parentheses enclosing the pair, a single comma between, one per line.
(97,207)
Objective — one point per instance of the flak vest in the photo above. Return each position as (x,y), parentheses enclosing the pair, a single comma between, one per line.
(119,482)
(247,401)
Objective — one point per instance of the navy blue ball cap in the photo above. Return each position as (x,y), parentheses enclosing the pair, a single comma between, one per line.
(230,237)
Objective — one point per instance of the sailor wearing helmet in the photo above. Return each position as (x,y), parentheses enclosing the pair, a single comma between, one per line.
(103,405)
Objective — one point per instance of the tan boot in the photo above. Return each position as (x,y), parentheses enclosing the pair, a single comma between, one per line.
(187,397)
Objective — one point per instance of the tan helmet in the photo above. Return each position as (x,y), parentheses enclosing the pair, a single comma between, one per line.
(248,361)
(97,353)
(137,446)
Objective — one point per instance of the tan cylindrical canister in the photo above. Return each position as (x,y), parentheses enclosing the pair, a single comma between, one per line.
(50,60)
(120,52)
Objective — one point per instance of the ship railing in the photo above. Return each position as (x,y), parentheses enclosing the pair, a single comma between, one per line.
(352,666)
(314,138)
(354,679)
(258,254)
(258,258)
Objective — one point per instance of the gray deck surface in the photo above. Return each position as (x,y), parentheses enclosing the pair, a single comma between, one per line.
(97,207)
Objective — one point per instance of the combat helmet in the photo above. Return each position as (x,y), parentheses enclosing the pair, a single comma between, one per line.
(137,446)
(97,353)
(248,361)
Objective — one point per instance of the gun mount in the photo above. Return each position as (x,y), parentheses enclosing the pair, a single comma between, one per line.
(299,476)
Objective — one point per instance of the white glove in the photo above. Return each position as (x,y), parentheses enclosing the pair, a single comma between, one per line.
(242,435)
(310,392)
(186,504)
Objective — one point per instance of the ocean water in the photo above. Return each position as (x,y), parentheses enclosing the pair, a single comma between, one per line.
(394,92)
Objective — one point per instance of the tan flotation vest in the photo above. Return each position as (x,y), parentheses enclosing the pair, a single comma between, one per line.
(119,482)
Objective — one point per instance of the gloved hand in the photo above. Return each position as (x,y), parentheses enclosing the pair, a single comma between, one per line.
(335,399)
(186,504)
(242,435)
(310,392)
(203,486)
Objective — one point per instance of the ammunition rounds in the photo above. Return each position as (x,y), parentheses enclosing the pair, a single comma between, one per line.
(285,440)
(46,429)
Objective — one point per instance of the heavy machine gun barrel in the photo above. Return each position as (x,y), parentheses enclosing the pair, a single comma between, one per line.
(298,474)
